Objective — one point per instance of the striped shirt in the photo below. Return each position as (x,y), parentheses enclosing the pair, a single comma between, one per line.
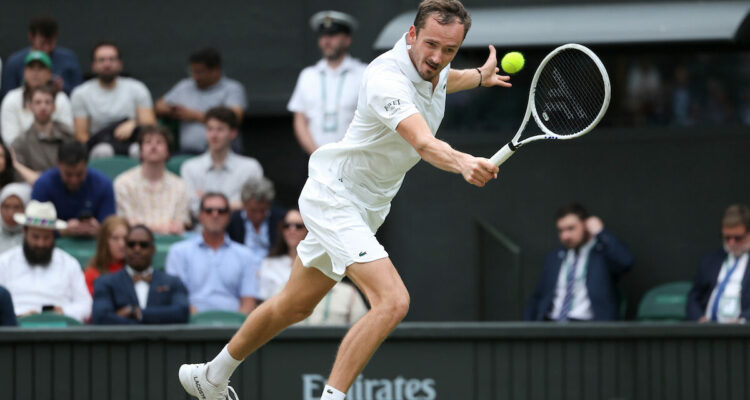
(151,203)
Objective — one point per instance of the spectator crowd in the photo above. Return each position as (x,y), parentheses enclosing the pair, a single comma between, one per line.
(235,245)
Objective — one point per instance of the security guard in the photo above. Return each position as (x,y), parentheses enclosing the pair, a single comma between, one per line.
(325,96)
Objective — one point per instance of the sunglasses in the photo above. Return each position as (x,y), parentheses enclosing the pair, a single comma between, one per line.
(288,225)
(140,243)
(736,238)
(220,211)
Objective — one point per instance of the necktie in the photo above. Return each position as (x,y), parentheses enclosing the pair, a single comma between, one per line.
(570,280)
(720,290)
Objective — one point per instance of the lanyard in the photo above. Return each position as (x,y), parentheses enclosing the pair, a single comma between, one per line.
(722,286)
(331,118)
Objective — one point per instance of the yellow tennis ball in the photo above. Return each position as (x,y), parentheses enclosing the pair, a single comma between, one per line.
(512,62)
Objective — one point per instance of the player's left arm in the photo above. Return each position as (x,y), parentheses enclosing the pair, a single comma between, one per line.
(463,79)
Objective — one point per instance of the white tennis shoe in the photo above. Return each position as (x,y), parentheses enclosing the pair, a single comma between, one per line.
(194,381)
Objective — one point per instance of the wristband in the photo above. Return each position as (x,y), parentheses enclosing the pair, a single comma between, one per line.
(480,76)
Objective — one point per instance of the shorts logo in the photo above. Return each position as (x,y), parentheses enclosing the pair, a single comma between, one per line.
(392,106)
(362,253)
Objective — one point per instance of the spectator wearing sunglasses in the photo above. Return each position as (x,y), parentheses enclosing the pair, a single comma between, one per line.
(219,274)
(721,289)
(138,294)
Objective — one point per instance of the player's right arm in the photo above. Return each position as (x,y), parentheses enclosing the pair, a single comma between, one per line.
(475,170)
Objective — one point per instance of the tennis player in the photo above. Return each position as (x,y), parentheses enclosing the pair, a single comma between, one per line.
(349,192)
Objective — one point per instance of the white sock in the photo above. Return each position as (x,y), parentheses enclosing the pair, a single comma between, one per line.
(222,367)
(330,393)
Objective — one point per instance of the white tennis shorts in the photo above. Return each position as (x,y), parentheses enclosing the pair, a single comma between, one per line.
(340,232)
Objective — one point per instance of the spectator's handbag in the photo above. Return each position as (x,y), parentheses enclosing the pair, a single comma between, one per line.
(107,135)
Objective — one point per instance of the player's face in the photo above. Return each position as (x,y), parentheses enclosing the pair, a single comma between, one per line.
(434,46)
(736,239)
(571,230)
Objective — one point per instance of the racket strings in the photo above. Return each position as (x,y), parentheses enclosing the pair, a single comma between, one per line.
(570,92)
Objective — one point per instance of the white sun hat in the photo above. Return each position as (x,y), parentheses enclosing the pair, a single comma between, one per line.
(40,215)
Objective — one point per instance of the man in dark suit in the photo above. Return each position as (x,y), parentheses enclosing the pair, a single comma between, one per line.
(721,289)
(7,312)
(256,226)
(579,280)
(138,294)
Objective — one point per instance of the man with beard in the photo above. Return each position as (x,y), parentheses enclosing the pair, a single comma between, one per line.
(721,290)
(39,276)
(109,107)
(579,280)
(138,294)
(325,97)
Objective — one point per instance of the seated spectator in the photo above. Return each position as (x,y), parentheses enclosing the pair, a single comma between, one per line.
(721,289)
(342,305)
(39,276)
(579,280)
(83,196)
(15,114)
(138,294)
(37,147)
(256,224)
(110,250)
(43,33)
(149,194)
(191,97)
(107,109)
(219,169)
(12,171)
(13,200)
(7,313)
(219,274)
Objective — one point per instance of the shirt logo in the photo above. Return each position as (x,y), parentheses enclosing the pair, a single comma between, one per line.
(392,106)
(362,253)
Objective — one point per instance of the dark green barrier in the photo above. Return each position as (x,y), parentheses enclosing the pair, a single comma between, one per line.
(419,361)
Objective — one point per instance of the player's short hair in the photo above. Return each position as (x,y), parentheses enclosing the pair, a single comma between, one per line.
(258,189)
(735,215)
(158,130)
(572,208)
(45,26)
(207,56)
(445,12)
(223,114)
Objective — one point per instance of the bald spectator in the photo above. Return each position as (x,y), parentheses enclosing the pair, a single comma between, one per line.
(190,98)
(107,109)
(219,169)
(43,34)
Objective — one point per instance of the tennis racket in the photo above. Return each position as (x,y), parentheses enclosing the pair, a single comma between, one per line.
(568,97)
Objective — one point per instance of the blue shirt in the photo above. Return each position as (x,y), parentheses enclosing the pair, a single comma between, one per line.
(257,241)
(95,196)
(215,279)
(64,64)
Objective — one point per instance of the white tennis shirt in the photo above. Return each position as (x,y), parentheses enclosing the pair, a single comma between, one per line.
(368,165)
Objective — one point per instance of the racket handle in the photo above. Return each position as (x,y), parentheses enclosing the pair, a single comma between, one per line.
(502,155)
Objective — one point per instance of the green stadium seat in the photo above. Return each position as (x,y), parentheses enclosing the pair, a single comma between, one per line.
(665,302)
(113,166)
(163,243)
(47,320)
(218,318)
(175,163)
(82,249)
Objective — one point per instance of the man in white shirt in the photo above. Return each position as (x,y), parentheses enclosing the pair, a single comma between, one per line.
(39,276)
(721,289)
(325,96)
(219,169)
(348,194)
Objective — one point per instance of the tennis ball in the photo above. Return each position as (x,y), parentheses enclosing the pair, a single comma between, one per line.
(512,62)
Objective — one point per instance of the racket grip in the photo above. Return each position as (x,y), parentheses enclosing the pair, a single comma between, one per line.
(502,155)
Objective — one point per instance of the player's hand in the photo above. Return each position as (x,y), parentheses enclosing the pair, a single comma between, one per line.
(594,225)
(490,76)
(478,171)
